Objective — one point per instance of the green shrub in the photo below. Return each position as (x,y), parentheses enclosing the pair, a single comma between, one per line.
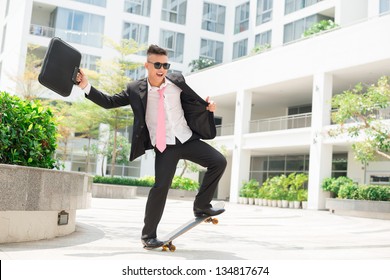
(183,183)
(250,189)
(28,133)
(122,181)
(349,191)
(148,181)
(372,192)
(284,187)
(333,185)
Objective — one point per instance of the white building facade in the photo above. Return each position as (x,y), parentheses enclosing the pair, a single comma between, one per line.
(273,107)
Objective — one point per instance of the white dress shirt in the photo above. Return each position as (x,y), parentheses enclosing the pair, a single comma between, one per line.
(175,123)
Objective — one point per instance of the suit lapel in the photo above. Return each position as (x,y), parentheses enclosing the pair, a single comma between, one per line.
(143,89)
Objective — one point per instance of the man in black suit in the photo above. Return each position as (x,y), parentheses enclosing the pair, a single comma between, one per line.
(164,103)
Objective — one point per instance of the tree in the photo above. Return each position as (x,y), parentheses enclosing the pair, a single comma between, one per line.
(85,119)
(113,79)
(27,84)
(364,106)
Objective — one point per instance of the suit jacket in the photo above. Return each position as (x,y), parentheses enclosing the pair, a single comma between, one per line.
(200,120)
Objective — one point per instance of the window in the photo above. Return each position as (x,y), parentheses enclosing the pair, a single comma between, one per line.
(138,7)
(241,22)
(173,42)
(263,38)
(339,165)
(384,6)
(101,3)
(294,30)
(214,18)
(78,27)
(240,48)
(136,74)
(3,39)
(264,11)
(263,167)
(174,11)
(295,5)
(211,49)
(137,32)
(89,62)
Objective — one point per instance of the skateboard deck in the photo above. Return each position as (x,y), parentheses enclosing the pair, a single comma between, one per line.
(188,226)
(60,67)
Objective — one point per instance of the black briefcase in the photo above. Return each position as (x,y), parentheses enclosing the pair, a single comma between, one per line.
(60,67)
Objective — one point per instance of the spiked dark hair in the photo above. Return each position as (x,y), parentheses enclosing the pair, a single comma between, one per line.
(154,49)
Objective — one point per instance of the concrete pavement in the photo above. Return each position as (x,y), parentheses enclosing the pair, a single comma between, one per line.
(111,228)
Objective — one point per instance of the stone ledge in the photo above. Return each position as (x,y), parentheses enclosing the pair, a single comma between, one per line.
(359,208)
(31,198)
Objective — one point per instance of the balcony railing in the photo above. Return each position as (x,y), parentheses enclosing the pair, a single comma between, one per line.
(270,124)
(78,37)
(280,123)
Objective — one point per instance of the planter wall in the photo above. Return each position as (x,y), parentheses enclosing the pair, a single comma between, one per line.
(32,198)
(359,208)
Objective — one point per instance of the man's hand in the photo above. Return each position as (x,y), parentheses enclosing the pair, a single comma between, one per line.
(212,106)
(82,79)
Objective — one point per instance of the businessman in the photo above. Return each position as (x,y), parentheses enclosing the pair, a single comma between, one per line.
(170,118)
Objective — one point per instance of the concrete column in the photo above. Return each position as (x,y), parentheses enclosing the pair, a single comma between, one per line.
(240,156)
(320,165)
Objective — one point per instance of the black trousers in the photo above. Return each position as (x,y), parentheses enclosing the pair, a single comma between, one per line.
(196,151)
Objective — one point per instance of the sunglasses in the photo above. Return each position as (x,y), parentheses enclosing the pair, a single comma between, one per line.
(157,65)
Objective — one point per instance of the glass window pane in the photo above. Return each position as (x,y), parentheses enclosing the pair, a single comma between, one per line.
(277,163)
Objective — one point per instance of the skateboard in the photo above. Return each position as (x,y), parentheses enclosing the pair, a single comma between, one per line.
(187,226)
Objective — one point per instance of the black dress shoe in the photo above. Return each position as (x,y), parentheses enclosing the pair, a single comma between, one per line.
(208,212)
(150,243)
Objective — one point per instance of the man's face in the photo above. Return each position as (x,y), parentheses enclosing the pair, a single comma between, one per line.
(156,76)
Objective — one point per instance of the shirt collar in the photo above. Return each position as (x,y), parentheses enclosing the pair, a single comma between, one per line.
(166,82)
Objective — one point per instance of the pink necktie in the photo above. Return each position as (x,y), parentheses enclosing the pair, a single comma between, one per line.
(160,132)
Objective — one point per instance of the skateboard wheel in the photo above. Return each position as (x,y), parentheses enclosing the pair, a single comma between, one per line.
(214,221)
(172,248)
(164,248)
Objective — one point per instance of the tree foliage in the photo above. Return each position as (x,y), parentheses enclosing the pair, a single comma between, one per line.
(360,112)
(112,79)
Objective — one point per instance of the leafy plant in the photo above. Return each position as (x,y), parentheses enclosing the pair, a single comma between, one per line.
(28,133)
(250,189)
(284,187)
(201,63)
(302,195)
(184,184)
(260,48)
(349,191)
(372,192)
(333,185)
(319,27)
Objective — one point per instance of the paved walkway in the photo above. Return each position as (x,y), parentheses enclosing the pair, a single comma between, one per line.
(110,229)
